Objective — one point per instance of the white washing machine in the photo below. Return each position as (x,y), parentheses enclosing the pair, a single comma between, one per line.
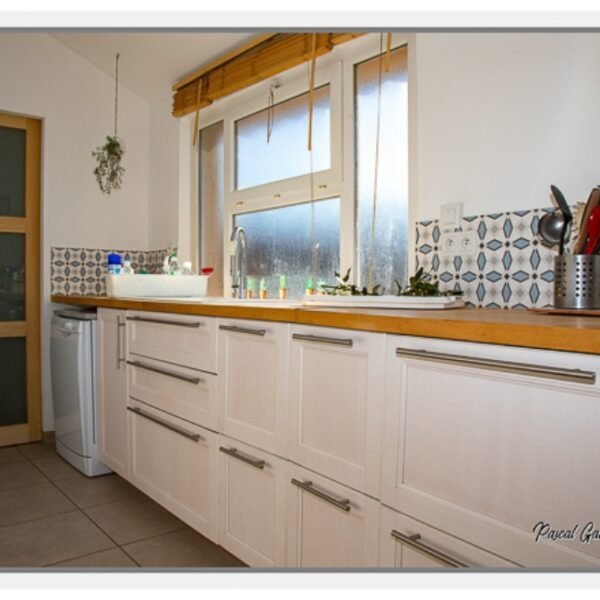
(74,389)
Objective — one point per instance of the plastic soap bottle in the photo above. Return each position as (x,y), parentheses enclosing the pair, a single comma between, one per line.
(174,265)
(187,268)
(127,268)
(115,263)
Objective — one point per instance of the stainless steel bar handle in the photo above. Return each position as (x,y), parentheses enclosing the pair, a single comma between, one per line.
(153,369)
(307,486)
(195,437)
(256,463)
(192,324)
(413,542)
(248,330)
(323,339)
(120,358)
(557,373)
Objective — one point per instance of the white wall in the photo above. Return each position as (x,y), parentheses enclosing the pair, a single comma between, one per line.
(42,78)
(164,174)
(502,116)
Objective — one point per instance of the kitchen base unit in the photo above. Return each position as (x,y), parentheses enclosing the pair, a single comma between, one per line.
(175,463)
(251,504)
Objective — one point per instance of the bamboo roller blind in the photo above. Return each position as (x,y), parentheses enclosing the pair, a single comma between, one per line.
(261,58)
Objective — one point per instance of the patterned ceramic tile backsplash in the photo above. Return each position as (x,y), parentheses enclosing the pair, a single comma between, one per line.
(510,268)
(81,271)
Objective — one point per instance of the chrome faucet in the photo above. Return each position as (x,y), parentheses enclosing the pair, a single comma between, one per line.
(238,263)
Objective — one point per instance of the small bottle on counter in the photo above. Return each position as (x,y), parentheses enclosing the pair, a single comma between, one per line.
(115,264)
(250,288)
(174,265)
(187,268)
(127,268)
(310,287)
(263,289)
(282,287)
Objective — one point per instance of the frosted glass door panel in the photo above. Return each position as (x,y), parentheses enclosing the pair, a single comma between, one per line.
(13,383)
(12,277)
(12,172)
(285,154)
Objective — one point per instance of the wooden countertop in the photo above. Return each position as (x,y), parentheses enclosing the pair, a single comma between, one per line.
(491,326)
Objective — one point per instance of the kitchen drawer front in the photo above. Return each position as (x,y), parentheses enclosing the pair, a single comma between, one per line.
(428,547)
(185,393)
(487,452)
(175,463)
(329,525)
(183,340)
(251,504)
(336,391)
(253,395)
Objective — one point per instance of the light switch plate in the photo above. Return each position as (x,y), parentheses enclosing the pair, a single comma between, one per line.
(451,216)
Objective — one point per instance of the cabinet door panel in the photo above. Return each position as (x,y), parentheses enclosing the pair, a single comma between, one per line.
(112,413)
(336,388)
(486,454)
(185,393)
(320,533)
(252,383)
(178,339)
(251,504)
(175,470)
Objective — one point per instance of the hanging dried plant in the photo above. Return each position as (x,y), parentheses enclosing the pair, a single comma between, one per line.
(108,171)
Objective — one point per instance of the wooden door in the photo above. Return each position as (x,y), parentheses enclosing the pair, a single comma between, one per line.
(20,369)
(112,406)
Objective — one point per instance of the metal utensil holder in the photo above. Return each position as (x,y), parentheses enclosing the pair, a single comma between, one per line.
(577,281)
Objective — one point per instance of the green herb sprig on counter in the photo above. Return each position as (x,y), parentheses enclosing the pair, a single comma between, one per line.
(343,288)
(420,285)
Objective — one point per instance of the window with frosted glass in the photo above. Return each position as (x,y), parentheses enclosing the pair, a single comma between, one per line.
(279,243)
(211,204)
(285,154)
(390,242)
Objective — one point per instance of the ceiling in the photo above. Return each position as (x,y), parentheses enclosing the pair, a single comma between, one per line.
(151,62)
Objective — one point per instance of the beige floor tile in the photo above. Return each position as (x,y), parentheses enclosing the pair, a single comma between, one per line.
(32,502)
(133,520)
(93,491)
(182,548)
(37,450)
(50,540)
(19,474)
(10,454)
(56,468)
(107,559)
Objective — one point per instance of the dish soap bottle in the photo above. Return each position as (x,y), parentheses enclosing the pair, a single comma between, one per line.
(174,265)
(127,268)
(187,268)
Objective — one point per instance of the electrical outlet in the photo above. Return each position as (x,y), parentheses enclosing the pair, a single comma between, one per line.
(462,243)
(468,243)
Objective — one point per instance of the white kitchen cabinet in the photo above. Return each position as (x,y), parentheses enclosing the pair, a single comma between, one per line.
(253,397)
(184,340)
(484,442)
(112,391)
(175,463)
(251,504)
(183,392)
(336,391)
(329,525)
(409,544)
